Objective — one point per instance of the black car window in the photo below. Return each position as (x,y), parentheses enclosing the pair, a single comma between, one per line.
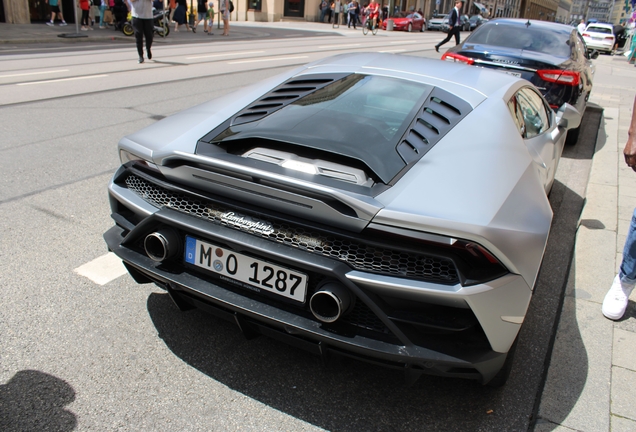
(594,29)
(523,37)
(533,110)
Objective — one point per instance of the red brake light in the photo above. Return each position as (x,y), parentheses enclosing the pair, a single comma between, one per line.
(457,58)
(586,34)
(609,37)
(571,78)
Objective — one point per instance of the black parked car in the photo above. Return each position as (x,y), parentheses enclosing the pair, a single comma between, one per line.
(475,21)
(551,56)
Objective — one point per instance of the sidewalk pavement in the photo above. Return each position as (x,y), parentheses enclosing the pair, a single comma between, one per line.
(592,369)
(40,33)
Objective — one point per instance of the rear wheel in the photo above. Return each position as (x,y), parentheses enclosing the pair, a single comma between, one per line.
(128,29)
(374,30)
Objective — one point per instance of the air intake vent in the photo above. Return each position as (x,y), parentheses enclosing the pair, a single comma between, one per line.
(282,96)
(440,113)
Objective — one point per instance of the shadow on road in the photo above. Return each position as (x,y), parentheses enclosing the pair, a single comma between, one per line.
(35,401)
(360,396)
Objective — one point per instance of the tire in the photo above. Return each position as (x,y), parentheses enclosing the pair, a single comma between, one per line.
(128,29)
(410,28)
(365,29)
(165,30)
(422,28)
(573,136)
(374,31)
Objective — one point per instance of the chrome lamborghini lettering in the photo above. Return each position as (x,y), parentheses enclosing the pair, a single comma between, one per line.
(247,223)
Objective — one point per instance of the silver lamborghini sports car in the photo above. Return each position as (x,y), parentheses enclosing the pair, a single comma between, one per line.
(384,207)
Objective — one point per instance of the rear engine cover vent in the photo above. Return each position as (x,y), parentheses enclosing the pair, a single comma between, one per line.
(311,166)
(283,95)
(439,114)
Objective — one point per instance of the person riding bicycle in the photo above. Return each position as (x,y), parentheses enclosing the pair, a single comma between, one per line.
(374,12)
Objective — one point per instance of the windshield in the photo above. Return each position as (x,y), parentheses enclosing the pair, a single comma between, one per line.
(529,38)
(359,116)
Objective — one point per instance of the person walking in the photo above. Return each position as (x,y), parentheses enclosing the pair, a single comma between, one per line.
(353,12)
(142,22)
(202,11)
(210,18)
(84,6)
(103,7)
(581,27)
(55,10)
(617,298)
(225,15)
(179,16)
(324,7)
(454,26)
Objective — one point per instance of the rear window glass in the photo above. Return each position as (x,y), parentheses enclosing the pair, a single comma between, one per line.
(595,29)
(359,116)
(527,38)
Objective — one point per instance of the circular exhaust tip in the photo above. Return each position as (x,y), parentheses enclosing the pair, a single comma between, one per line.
(330,302)
(161,245)
(325,306)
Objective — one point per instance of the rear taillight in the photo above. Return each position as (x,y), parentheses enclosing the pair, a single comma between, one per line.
(474,263)
(458,58)
(586,35)
(609,38)
(560,77)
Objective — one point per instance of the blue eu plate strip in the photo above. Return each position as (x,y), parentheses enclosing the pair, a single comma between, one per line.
(190,249)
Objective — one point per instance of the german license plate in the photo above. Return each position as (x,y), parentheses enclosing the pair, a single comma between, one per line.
(247,271)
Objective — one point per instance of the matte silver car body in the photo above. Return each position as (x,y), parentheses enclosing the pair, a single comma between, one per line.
(481,183)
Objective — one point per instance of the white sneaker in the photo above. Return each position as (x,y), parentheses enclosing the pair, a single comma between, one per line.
(616,299)
(49,23)
(63,23)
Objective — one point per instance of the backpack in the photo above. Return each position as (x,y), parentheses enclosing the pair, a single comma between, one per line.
(97,3)
(231,6)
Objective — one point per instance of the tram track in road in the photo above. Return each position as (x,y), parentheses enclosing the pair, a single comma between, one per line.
(97,71)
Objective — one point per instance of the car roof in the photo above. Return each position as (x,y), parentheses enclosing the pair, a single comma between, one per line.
(470,83)
(535,23)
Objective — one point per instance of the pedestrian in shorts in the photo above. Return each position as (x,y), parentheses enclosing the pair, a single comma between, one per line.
(210,17)
(55,10)
(202,11)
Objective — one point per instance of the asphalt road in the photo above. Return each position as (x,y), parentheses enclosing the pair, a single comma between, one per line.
(75,354)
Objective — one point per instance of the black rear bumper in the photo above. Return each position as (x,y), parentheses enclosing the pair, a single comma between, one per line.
(255,315)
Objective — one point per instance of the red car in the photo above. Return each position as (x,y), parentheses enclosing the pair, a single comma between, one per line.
(407,22)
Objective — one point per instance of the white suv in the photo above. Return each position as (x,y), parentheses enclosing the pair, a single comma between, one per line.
(600,37)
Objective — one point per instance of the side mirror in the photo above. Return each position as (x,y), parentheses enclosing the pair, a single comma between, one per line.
(568,117)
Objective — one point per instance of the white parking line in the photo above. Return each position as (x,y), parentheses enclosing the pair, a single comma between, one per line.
(340,46)
(103,269)
(225,54)
(63,79)
(33,73)
(266,59)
